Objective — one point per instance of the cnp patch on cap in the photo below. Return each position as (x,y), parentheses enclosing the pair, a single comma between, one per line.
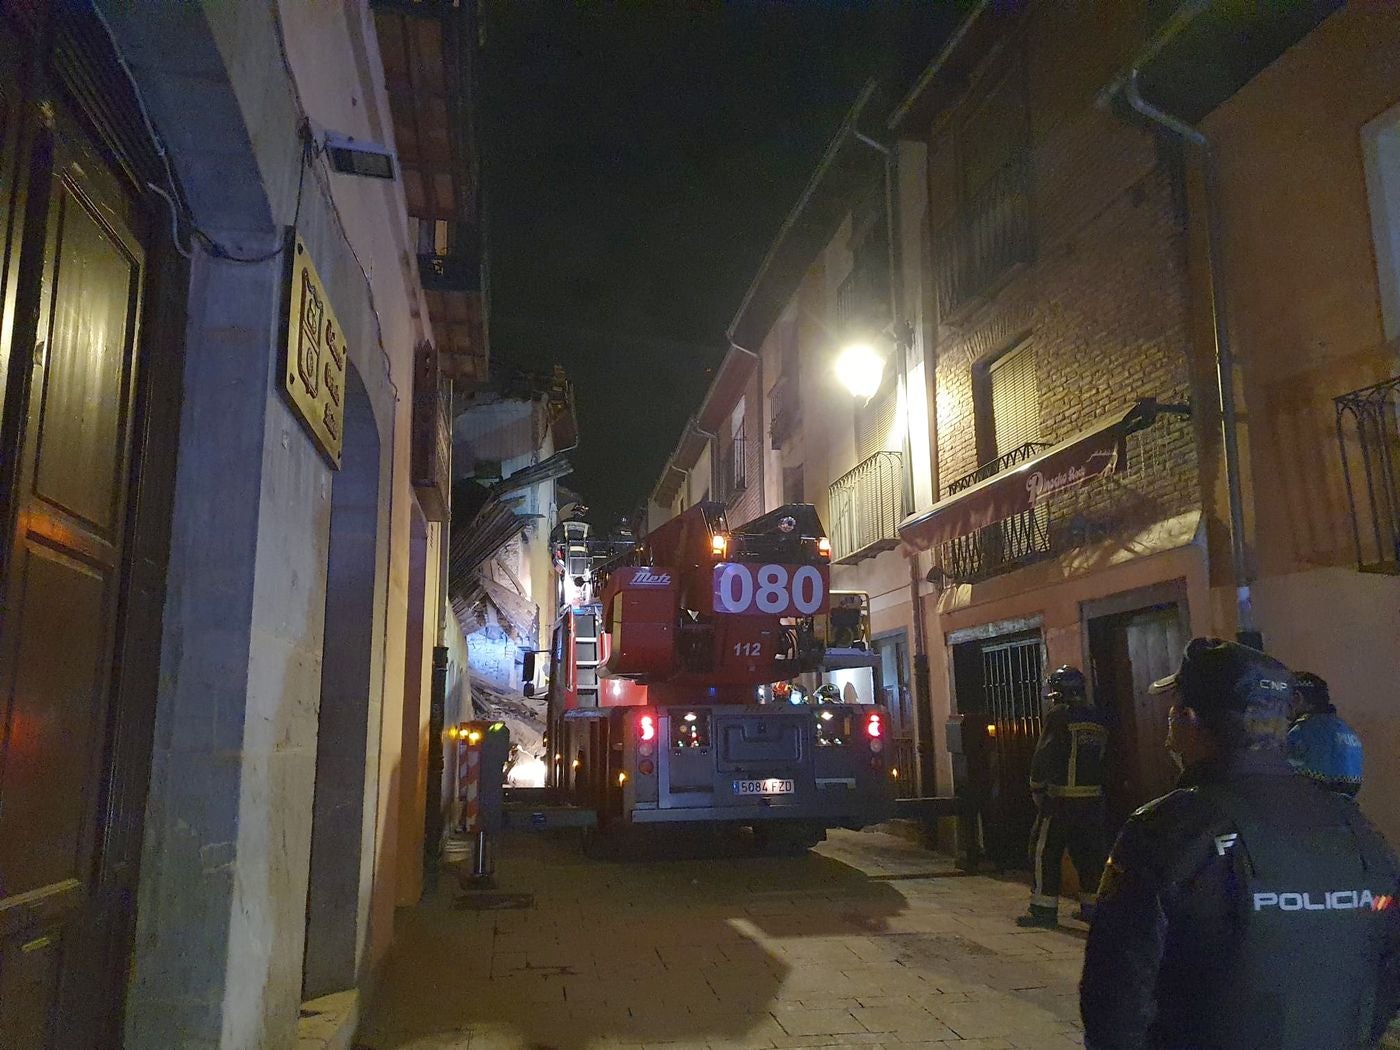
(1216,674)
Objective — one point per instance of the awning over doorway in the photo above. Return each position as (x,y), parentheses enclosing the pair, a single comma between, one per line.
(1097,452)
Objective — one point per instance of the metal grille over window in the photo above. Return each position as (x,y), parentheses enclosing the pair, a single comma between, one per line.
(1368,432)
(730,472)
(991,230)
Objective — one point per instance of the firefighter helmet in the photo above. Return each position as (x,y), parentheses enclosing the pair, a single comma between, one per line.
(1065,684)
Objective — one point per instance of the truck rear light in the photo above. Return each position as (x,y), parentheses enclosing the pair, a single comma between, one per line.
(824,547)
(646,767)
(877,763)
(719,545)
(874,725)
(646,727)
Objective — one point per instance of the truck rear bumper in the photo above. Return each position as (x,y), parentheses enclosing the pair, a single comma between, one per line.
(852,815)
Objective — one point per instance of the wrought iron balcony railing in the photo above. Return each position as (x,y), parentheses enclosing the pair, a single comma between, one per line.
(1003,545)
(866,506)
(990,234)
(1019,454)
(1368,434)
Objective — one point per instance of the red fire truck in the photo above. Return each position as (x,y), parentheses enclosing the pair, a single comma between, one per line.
(661,694)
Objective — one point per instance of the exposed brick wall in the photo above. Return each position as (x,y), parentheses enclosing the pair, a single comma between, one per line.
(1103,303)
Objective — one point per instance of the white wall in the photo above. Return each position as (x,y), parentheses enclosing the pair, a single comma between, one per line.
(1381,141)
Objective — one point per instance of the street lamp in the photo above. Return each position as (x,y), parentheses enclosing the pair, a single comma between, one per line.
(860,368)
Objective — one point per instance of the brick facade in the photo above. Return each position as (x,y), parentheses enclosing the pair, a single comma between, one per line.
(1103,303)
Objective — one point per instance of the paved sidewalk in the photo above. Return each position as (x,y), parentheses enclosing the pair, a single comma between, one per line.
(867,941)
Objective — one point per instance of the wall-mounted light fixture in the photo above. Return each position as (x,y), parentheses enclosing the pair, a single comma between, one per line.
(352,156)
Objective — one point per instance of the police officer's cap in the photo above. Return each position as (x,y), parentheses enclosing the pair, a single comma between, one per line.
(1221,675)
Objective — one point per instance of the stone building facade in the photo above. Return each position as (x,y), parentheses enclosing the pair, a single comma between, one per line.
(222,612)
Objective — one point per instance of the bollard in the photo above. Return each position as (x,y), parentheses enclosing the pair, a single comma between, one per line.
(482,750)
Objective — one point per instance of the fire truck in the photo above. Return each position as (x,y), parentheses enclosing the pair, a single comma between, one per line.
(669,682)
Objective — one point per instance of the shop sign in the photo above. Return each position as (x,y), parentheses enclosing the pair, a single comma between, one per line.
(314,356)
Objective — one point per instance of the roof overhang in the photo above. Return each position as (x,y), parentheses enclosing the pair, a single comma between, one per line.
(727,387)
(1204,52)
(844,172)
(948,76)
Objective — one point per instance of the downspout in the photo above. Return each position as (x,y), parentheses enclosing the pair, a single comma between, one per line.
(923,703)
(437,695)
(1246,631)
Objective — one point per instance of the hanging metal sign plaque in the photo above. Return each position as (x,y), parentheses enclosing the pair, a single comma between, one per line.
(314,352)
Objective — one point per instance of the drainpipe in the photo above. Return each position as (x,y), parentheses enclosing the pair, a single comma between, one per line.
(437,695)
(923,704)
(1247,632)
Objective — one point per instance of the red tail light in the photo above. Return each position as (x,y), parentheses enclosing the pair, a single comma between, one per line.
(874,725)
(646,727)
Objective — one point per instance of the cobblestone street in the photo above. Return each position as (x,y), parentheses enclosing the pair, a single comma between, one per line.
(868,940)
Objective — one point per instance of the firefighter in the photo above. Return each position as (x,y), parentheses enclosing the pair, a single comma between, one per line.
(1320,744)
(1251,907)
(1067,785)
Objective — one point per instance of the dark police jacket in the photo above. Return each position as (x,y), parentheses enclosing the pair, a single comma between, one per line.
(1069,757)
(1250,909)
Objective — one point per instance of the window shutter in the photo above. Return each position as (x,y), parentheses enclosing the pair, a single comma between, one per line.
(1015,400)
(875,420)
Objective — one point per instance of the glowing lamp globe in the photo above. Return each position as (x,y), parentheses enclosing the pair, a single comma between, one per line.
(859,367)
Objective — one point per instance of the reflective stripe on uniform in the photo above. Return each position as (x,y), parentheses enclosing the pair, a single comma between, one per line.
(1038,896)
(1071,791)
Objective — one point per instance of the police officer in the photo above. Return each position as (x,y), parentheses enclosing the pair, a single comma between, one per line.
(1320,744)
(1250,908)
(1067,785)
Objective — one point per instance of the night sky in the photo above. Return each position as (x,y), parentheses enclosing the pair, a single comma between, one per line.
(639,159)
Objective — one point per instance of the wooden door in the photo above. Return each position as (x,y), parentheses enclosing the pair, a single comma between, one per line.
(72,328)
(1129,651)
(1156,638)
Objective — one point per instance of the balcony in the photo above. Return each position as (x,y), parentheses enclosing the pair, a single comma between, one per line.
(990,234)
(1368,434)
(1004,545)
(730,471)
(866,506)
